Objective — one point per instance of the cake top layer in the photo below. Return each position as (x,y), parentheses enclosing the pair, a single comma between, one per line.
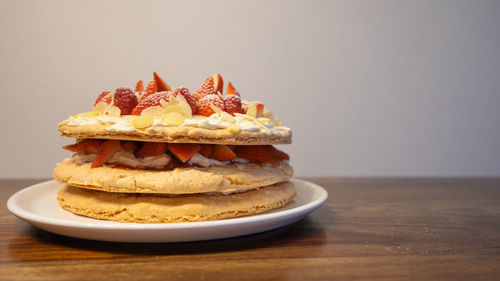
(161,113)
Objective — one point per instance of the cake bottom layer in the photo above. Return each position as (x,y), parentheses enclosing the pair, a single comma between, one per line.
(149,208)
(224,179)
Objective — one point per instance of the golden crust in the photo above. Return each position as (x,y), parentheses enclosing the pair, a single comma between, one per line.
(230,178)
(177,134)
(141,208)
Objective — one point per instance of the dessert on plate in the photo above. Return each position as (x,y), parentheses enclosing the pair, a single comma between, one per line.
(161,154)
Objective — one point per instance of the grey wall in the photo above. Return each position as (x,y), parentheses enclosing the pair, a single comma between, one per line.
(369,87)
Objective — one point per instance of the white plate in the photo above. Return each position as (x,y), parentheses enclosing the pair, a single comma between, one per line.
(37,204)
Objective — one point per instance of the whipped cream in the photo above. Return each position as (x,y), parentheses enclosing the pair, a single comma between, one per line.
(212,122)
(203,161)
(128,158)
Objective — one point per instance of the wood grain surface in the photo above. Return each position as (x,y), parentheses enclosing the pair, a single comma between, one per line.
(369,229)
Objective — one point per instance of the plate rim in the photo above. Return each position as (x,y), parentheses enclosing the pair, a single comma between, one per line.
(14,208)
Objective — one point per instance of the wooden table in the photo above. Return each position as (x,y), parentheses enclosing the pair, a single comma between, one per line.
(369,229)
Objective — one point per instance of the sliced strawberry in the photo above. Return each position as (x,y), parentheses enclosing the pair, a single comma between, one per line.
(184,151)
(129,145)
(78,147)
(106,152)
(105,97)
(150,89)
(277,155)
(260,108)
(152,100)
(207,88)
(205,102)
(223,153)
(218,83)
(187,96)
(160,84)
(231,90)
(139,86)
(207,150)
(254,153)
(125,99)
(232,104)
(85,146)
(92,146)
(149,149)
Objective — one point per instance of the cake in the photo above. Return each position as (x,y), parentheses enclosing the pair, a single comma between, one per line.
(160,154)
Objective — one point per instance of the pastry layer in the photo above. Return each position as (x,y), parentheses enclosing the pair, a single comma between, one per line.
(177,134)
(226,179)
(147,208)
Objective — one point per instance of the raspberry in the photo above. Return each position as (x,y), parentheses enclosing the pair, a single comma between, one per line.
(105,97)
(125,99)
(204,104)
(207,88)
(232,104)
(152,100)
(188,96)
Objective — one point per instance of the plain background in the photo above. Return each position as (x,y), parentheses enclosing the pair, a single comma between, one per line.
(370,88)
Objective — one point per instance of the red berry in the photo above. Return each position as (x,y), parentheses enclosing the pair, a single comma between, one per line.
(106,151)
(105,97)
(152,100)
(204,104)
(125,99)
(254,153)
(149,149)
(207,88)
(232,104)
(188,96)
(150,89)
(277,155)
(231,90)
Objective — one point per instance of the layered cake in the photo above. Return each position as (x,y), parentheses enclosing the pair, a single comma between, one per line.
(160,154)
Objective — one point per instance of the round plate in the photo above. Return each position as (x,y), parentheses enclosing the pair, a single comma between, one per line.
(37,204)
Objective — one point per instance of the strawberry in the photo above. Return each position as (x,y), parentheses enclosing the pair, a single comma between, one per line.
(223,153)
(231,90)
(84,147)
(92,146)
(160,84)
(106,152)
(187,96)
(260,108)
(125,99)
(207,150)
(204,104)
(232,104)
(149,149)
(152,100)
(184,151)
(129,145)
(218,83)
(277,155)
(78,147)
(254,153)
(150,89)
(139,86)
(207,88)
(105,97)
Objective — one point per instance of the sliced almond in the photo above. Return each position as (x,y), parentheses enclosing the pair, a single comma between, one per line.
(173,118)
(153,111)
(141,122)
(87,114)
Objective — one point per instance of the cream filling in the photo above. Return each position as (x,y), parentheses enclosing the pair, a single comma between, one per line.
(128,158)
(212,122)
